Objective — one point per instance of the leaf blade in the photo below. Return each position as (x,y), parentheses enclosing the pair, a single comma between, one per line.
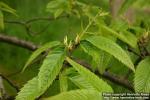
(95,81)
(112,48)
(39,51)
(29,91)
(81,82)
(142,76)
(5,7)
(131,40)
(100,59)
(48,72)
(83,94)
(50,68)
(63,81)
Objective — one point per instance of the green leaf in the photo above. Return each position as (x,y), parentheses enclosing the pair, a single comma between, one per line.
(77,79)
(100,59)
(125,36)
(81,82)
(112,48)
(58,12)
(83,94)
(93,52)
(5,7)
(1,20)
(128,36)
(95,81)
(29,91)
(69,71)
(142,76)
(50,68)
(63,81)
(57,7)
(39,51)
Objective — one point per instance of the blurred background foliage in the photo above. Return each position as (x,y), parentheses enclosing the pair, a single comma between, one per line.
(132,16)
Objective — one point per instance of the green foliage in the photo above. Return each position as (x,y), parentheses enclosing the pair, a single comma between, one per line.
(93,52)
(50,69)
(100,59)
(63,80)
(103,41)
(47,74)
(142,76)
(81,82)
(30,90)
(55,4)
(39,51)
(125,36)
(96,82)
(6,8)
(71,7)
(83,94)
(112,48)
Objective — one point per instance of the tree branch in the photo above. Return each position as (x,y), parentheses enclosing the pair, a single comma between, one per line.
(118,80)
(110,76)
(18,42)
(5,78)
(34,20)
(30,46)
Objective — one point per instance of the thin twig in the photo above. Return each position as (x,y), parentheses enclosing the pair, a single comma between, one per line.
(14,86)
(31,32)
(33,20)
(27,24)
(15,22)
(44,18)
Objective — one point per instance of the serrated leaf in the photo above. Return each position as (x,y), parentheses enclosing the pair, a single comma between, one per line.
(29,91)
(132,41)
(95,81)
(48,72)
(100,59)
(1,20)
(81,82)
(39,51)
(83,94)
(142,76)
(63,81)
(50,68)
(93,52)
(119,25)
(112,48)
